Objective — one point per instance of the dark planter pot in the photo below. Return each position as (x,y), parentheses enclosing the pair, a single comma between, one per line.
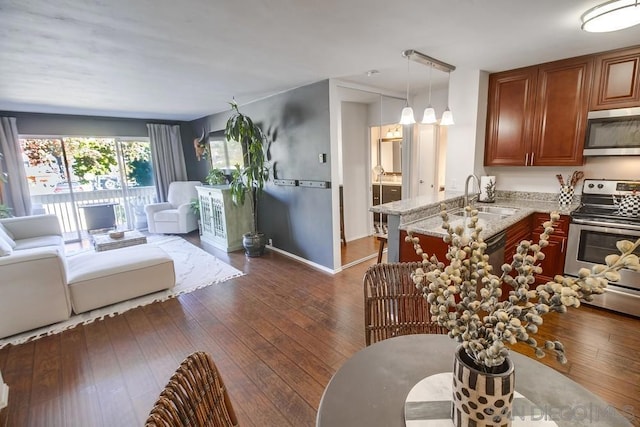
(479,398)
(254,244)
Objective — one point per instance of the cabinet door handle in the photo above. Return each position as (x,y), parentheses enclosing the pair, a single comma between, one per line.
(532,154)
(526,159)
(562,249)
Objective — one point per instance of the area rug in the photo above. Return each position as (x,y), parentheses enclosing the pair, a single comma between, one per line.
(194,269)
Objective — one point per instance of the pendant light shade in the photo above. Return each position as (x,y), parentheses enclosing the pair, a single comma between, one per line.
(407,116)
(407,112)
(612,16)
(447,118)
(429,116)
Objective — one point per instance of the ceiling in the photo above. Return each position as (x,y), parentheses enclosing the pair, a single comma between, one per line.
(182,60)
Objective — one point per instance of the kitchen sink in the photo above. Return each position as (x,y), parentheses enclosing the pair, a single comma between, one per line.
(496,210)
(489,213)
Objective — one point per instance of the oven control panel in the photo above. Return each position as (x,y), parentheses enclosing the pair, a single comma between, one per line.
(607,186)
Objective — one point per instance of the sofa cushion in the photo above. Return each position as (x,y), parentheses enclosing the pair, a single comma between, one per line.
(6,236)
(5,248)
(97,279)
(170,215)
(38,242)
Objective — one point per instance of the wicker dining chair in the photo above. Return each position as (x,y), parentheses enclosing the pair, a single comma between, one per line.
(195,397)
(393,305)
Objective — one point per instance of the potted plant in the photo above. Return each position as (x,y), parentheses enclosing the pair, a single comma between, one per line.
(194,205)
(216,177)
(465,298)
(251,177)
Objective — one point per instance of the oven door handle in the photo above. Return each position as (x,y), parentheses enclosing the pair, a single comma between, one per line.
(606,224)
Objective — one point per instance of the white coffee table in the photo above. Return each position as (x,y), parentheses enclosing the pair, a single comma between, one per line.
(102,242)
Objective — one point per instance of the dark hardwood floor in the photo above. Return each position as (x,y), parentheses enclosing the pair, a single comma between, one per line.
(277,335)
(359,249)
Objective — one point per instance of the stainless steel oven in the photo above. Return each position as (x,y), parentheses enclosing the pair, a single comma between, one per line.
(595,229)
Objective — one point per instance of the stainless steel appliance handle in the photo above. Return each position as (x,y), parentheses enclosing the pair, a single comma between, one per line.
(605,224)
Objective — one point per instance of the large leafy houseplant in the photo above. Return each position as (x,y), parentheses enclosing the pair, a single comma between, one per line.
(249,178)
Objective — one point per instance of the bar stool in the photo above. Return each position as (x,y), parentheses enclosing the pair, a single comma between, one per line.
(382,238)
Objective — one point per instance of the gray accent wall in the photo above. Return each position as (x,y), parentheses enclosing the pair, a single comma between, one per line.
(297,219)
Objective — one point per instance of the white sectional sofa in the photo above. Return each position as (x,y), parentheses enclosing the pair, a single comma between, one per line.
(40,286)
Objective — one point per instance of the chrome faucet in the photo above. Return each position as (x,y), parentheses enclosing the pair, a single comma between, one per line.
(466,190)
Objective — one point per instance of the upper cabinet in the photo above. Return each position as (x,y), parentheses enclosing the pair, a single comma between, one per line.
(616,82)
(537,115)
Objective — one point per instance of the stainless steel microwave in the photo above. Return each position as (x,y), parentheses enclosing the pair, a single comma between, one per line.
(613,133)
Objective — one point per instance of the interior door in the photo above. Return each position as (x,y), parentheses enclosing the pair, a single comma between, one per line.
(427,167)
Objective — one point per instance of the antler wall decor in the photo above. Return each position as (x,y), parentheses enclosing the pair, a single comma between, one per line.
(200,145)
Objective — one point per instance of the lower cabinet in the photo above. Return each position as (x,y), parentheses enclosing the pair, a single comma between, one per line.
(553,262)
(430,244)
(221,221)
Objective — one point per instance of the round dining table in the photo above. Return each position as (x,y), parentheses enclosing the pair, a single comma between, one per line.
(371,387)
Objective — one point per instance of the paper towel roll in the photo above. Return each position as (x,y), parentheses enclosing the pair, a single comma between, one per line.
(487,189)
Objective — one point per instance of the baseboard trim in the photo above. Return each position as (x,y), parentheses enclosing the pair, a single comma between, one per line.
(304,261)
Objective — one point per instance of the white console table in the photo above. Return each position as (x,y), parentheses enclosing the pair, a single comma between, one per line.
(222,222)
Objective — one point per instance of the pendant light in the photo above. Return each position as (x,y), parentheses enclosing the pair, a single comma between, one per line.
(611,16)
(429,116)
(407,112)
(447,116)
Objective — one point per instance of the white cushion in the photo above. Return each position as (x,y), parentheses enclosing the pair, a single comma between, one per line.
(168,215)
(5,248)
(6,236)
(38,242)
(97,279)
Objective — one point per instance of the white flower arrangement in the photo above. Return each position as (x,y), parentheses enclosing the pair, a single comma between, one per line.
(464,296)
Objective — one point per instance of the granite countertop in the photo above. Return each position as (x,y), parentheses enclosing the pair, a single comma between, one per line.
(417,204)
(431,225)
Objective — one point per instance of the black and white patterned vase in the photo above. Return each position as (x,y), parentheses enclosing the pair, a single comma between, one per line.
(566,195)
(481,399)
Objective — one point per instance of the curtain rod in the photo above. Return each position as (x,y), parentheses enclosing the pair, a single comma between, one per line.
(420,57)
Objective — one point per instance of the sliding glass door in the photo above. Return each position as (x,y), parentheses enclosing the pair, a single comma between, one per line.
(90,183)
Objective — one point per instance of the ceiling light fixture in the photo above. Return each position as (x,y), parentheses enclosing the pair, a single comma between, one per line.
(447,116)
(429,113)
(429,116)
(406,117)
(611,16)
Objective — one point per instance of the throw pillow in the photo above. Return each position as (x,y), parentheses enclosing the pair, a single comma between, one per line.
(5,236)
(5,248)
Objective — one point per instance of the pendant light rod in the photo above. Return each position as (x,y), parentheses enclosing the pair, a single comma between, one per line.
(420,57)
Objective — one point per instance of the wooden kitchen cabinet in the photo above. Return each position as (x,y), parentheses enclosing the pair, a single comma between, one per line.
(553,263)
(518,232)
(537,115)
(510,117)
(616,82)
(432,245)
(390,193)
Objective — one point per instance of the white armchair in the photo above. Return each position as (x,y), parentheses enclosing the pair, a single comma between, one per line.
(175,215)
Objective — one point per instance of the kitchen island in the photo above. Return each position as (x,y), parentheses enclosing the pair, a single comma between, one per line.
(422,214)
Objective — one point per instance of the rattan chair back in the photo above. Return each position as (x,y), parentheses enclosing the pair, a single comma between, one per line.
(393,305)
(195,396)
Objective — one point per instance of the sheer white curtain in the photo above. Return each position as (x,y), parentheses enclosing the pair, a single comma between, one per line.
(167,157)
(16,190)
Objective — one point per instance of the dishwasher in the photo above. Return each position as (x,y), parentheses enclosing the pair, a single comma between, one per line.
(495,250)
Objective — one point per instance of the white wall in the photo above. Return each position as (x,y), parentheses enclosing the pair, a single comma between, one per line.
(467,100)
(355,170)
(543,178)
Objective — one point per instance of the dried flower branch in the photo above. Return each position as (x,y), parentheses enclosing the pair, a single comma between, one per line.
(464,296)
